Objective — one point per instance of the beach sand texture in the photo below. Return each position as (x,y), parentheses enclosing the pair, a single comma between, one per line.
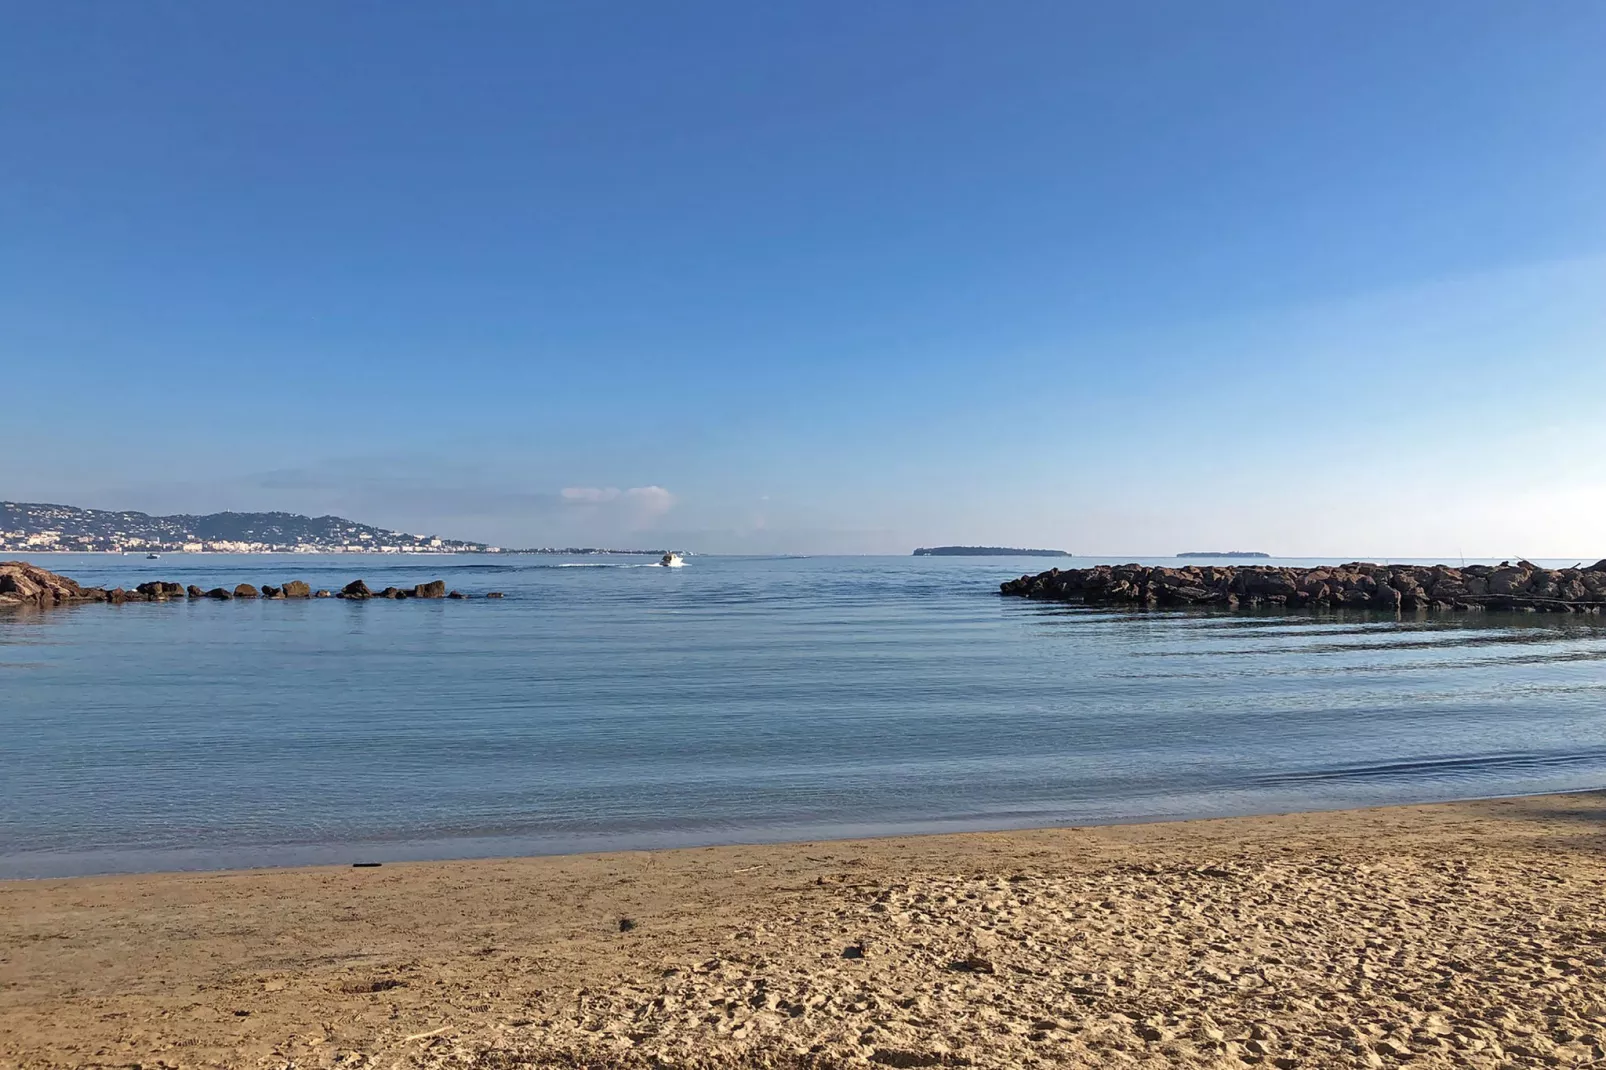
(1457,935)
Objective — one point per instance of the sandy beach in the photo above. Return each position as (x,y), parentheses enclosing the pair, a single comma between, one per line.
(1467,934)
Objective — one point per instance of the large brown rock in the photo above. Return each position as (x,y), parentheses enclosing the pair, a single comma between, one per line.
(22,583)
(1508,580)
(245,590)
(297,589)
(432,589)
(355,589)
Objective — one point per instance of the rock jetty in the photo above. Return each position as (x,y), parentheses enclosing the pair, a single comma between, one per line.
(1522,586)
(22,583)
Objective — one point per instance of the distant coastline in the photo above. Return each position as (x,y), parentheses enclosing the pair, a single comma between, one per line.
(41,527)
(1223,553)
(492,551)
(985,551)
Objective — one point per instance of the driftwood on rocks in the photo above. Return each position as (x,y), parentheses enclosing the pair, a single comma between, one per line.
(1522,586)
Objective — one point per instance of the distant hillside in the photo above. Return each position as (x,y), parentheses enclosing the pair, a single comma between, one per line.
(985,551)
(38,526)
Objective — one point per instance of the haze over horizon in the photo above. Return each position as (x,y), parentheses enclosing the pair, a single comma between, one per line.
(1319,281)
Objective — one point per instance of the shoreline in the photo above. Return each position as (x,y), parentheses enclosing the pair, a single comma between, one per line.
(1452,932)
(411,853)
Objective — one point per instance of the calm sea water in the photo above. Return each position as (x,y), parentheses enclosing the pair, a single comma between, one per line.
(613,704)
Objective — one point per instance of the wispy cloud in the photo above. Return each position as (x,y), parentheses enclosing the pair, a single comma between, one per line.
(638,506)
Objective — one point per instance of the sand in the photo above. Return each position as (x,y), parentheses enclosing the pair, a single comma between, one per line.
(1458,935)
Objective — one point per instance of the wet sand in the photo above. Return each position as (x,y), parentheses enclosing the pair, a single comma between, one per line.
(1458,935)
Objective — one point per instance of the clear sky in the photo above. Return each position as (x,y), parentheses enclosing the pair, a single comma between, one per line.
(1310,278)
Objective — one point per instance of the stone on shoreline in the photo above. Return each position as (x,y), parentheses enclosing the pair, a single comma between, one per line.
(1522,586)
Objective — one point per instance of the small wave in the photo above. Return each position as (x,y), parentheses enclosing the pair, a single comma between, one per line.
(1450,766)
(586,564)
(365,563)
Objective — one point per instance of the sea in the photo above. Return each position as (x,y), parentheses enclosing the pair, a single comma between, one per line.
(606,703)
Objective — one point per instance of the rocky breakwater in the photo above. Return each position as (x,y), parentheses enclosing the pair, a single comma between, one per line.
(24,584)
(1522,586)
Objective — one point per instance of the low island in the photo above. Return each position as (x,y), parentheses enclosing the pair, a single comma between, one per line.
(986,551)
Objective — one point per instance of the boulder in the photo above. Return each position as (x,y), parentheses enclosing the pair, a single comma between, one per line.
(456,594)
(156,590)
(1508,580)
(322,594)
(245,590)
(493,594)
(297,589)
(392,592)
(1449,588)
(221,594)
(195,592)
(355,589)
(270,591)
(1545,583)
(24,584)
(432,589)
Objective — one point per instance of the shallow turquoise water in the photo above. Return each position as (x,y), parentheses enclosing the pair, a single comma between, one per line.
(737,699)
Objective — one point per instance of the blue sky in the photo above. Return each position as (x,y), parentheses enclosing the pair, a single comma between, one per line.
(1310,278)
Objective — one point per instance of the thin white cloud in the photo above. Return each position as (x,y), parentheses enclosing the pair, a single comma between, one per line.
(652,501)
(589,495)
(636,506)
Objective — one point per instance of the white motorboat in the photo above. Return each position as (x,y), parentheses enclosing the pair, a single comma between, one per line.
(672,560)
